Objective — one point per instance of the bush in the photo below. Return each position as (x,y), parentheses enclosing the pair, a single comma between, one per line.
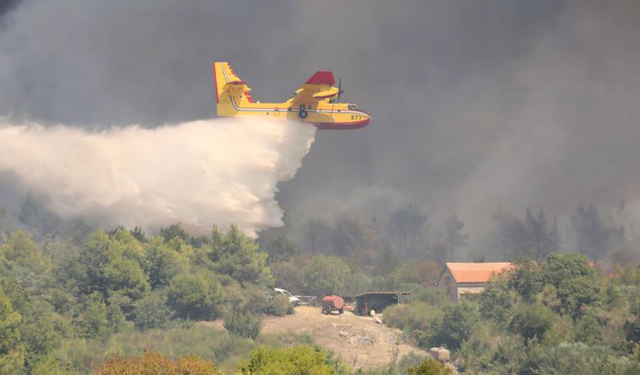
(295,360)
(435,297)
(417,318)
(243,324)
(279,306)
(151,312)
(429,367)
(575,359)
(153,364)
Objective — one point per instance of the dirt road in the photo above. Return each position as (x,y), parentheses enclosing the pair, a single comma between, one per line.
(360,341)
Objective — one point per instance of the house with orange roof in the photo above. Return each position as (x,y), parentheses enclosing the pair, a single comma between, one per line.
(459,279)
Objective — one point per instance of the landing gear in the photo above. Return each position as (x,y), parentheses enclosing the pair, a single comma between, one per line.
(302,113)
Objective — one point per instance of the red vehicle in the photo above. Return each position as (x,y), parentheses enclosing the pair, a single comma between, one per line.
(331,304)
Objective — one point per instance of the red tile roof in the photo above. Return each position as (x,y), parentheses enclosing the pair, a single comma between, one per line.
(476,272)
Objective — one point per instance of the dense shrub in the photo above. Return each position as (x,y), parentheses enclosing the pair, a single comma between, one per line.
(243,324)
(279,305)
(295,360)
(154,364)
(575,359)
(429,367)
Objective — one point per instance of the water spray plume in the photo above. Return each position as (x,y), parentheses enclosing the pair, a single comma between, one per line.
(196,173)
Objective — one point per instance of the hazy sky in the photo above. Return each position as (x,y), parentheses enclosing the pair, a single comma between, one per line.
(475,104)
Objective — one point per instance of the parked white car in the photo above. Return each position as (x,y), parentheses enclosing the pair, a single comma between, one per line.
(293,299)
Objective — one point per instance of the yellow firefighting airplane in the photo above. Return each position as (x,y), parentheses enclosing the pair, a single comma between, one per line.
(313,103)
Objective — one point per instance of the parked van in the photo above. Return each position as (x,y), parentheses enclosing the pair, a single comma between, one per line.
(293,299)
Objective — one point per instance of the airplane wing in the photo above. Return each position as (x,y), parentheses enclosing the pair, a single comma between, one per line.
(230,82)
(317,88)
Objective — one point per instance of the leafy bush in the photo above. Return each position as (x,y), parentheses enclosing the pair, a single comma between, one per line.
(429,367)
(279,306)
(295,360)
(434,297)
(575,359)
(154,364)
(245,324)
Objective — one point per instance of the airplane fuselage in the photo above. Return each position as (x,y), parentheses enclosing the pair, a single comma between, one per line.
(322,115)
(234,99)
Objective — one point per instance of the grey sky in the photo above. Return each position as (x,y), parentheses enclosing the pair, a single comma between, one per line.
(476,104)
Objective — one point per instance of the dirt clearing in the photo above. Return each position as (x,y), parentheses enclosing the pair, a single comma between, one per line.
(360,341)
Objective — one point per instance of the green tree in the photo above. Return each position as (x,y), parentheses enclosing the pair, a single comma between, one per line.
(526,279)
(560,267)
(325,275)
(532,321)
(544,240)
(151,312)
(458,324)
(408,229)
(275,243)
(237,255)
(592,234)
(196,296)
(578,294)
(453,233)
(495,302)
(92,323)
(388,261)
(588,330)
(11,350)
(161,263)
(632,325)
(174,231)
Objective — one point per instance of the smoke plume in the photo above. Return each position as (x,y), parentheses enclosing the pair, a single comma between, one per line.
(197,173)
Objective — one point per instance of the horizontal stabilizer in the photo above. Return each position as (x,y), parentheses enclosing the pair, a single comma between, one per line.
(333,91)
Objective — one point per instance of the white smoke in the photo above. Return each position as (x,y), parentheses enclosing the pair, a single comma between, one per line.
(200,173)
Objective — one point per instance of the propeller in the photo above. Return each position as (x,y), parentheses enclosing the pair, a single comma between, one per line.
(340,90)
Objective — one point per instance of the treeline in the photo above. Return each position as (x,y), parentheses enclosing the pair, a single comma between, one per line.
(53,291)
(558,316)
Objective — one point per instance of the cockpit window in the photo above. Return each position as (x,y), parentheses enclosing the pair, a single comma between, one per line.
(352,107)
